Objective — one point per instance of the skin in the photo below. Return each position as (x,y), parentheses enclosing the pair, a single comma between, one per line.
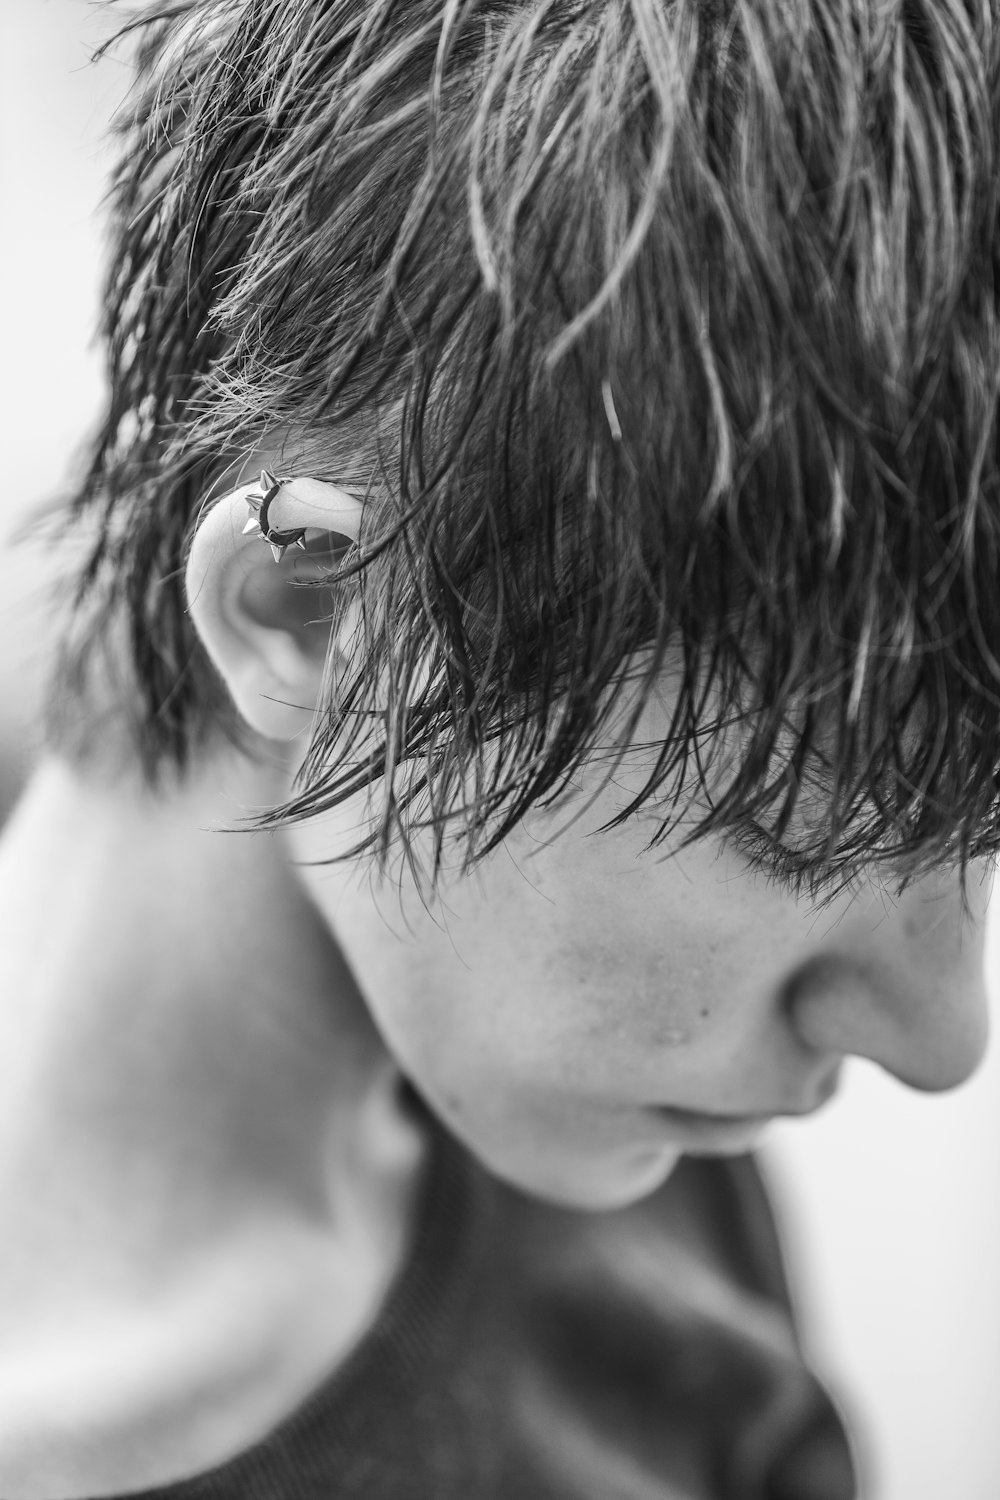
(203,1151)
(561,1005)
(564,1004)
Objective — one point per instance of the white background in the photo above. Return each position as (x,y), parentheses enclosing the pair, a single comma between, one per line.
(891,1199)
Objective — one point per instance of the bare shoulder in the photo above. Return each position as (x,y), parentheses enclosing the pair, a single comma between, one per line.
(24,859)
(138,1397)
(43,877)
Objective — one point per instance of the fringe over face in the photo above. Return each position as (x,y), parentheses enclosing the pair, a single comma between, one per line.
(658,331)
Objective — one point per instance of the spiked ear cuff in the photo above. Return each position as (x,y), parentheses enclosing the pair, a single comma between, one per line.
(258,524)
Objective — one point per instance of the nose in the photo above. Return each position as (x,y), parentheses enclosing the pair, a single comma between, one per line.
(903,986)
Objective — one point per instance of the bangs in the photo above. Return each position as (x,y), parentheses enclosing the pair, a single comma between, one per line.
(685,316)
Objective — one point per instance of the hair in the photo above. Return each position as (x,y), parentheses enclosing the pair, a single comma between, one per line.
(659,332)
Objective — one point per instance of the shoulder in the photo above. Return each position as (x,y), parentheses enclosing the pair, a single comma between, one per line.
(129,1398)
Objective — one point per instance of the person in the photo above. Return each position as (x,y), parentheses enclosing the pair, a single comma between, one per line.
(525,714)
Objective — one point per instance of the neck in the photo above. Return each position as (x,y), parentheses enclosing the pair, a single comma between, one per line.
(183,1051)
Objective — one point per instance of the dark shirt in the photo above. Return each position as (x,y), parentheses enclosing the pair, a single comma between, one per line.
(527,1352)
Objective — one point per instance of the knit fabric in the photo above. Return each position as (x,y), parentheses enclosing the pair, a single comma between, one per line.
(527,1352)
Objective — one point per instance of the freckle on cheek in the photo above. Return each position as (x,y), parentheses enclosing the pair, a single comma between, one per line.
(669,1036)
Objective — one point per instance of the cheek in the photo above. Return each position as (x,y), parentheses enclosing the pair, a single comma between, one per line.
(664,954)
(564,972)
(528,1098)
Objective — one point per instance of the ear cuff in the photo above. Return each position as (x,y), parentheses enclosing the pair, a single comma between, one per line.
(258,524)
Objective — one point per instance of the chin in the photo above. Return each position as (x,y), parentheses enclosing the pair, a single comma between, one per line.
(594,1186)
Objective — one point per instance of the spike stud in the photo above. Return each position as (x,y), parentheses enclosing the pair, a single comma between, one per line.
(258,525)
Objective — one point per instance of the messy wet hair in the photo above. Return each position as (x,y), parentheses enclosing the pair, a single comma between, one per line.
(659,333)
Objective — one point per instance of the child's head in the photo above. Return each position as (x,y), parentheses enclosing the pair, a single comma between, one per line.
(661,345)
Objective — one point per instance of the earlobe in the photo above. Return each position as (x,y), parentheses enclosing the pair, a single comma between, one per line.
(268,639)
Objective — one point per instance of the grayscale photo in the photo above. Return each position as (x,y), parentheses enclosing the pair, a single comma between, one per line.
(500,750)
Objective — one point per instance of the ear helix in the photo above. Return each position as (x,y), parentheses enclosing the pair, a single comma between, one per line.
(328,507)
(258,524)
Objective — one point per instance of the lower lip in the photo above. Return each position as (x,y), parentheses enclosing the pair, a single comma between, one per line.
(721,1132)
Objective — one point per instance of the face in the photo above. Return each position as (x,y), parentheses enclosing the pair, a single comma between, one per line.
(582,1013)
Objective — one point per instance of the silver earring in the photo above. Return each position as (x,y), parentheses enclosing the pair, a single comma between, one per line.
(258,524)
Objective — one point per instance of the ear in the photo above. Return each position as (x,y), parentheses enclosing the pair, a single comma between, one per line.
(266,636)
